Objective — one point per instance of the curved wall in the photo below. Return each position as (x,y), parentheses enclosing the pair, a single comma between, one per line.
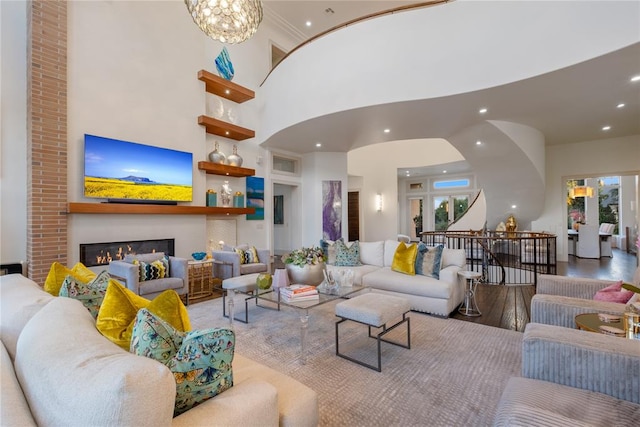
(428,53)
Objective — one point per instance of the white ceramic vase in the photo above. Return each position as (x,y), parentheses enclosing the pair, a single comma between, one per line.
(307,275)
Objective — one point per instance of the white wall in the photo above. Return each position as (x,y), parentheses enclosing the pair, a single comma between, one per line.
(606,157)
(13,132)
(377,166)
(318,167)
(133,75)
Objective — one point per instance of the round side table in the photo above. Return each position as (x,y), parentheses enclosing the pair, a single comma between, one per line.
(469,306)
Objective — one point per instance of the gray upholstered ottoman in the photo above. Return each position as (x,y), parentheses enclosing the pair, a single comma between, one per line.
(246,285)
(374,310)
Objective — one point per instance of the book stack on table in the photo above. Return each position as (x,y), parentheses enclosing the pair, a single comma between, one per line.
(298,293)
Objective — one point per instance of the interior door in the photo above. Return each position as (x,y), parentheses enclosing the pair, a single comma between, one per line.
(353,215)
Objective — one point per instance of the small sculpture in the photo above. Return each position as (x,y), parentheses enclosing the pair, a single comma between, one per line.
(225,194)
(511,224)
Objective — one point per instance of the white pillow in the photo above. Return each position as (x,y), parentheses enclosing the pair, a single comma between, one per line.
(390,247)
(372,253)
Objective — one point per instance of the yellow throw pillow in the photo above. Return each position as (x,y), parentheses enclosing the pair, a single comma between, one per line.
(58,272)
(120,307)
(404,259)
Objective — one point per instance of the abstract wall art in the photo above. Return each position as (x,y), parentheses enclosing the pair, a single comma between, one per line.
(255,197)
(331,210)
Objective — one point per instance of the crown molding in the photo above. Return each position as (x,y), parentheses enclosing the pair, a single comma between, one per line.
(277,21)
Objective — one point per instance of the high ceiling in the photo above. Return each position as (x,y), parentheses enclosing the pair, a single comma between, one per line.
(568,105)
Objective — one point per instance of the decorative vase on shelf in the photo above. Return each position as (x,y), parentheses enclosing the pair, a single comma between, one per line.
(234,159)
(308,274)
(224,65)
(216,156)
(225,194)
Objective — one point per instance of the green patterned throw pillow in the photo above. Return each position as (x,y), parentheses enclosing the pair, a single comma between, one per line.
(89,294)
(347,256)
(199,360)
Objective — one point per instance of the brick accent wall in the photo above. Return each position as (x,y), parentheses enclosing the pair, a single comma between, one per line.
(46,136)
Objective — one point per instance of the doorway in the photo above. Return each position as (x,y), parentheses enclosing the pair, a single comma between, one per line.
(353,215)
(284,223)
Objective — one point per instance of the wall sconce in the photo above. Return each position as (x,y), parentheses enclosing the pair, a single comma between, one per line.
(582,191)
(379,202)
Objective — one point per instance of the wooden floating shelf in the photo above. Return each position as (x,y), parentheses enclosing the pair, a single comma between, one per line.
(125,208)
(218,169)
(224,88)
(224,129)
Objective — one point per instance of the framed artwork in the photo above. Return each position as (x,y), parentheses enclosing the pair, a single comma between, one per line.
(278,209)
(255,197)
(331,210)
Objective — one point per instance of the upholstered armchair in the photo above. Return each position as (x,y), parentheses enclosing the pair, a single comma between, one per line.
(229,263)
(560,299)
(606,235)
(128,271)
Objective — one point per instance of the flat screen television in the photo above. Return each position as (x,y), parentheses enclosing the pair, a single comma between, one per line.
(128,172)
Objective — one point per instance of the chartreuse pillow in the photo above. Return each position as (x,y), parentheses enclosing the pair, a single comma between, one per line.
(199,360)
(58,272)
(90,294)
(404,259)
(120,307)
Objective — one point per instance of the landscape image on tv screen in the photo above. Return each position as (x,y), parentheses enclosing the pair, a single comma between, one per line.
(127,171)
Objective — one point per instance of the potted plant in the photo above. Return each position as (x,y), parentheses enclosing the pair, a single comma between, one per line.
(305,265)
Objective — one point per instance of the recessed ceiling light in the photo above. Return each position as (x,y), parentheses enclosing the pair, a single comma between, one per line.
(482,110)
(635,78)
(387,130)
(621,105)
(478,142)
(444,171)
(318,144)
(227,91)
(605,128)
(513,206)
(308,23)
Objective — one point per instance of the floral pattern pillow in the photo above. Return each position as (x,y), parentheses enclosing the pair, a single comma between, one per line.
(347,256)
(91,294)
(199,360)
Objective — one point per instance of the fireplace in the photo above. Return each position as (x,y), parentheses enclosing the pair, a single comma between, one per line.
(95,254)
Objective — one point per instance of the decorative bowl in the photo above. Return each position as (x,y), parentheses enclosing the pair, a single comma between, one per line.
(199,256)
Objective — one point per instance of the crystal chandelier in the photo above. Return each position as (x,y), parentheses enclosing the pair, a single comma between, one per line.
(229,21)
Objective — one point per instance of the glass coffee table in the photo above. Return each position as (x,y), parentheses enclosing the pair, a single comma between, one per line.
(325,295)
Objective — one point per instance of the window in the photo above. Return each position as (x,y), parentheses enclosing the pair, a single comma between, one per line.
(285,165)
(452,183)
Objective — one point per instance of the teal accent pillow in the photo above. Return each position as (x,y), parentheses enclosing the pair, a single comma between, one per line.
(428,260)
(89,294)
(199,360)
(347,256)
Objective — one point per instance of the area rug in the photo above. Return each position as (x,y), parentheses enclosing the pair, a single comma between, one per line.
(453,375)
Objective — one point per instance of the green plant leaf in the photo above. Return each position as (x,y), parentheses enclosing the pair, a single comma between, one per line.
(630,287)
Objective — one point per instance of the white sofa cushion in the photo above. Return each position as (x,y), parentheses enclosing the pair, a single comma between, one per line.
(359,271)
(21,299)
(455,257)
(72,375)
(372,253)
(389,280)
(14,410)
(390,247)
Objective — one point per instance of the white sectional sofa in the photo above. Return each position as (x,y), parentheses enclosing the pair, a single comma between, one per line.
(57,369)
(426,294)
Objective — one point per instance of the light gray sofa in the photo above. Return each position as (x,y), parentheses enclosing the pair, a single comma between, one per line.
(426,294)
(573,378)
(559,299)
(57,369)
